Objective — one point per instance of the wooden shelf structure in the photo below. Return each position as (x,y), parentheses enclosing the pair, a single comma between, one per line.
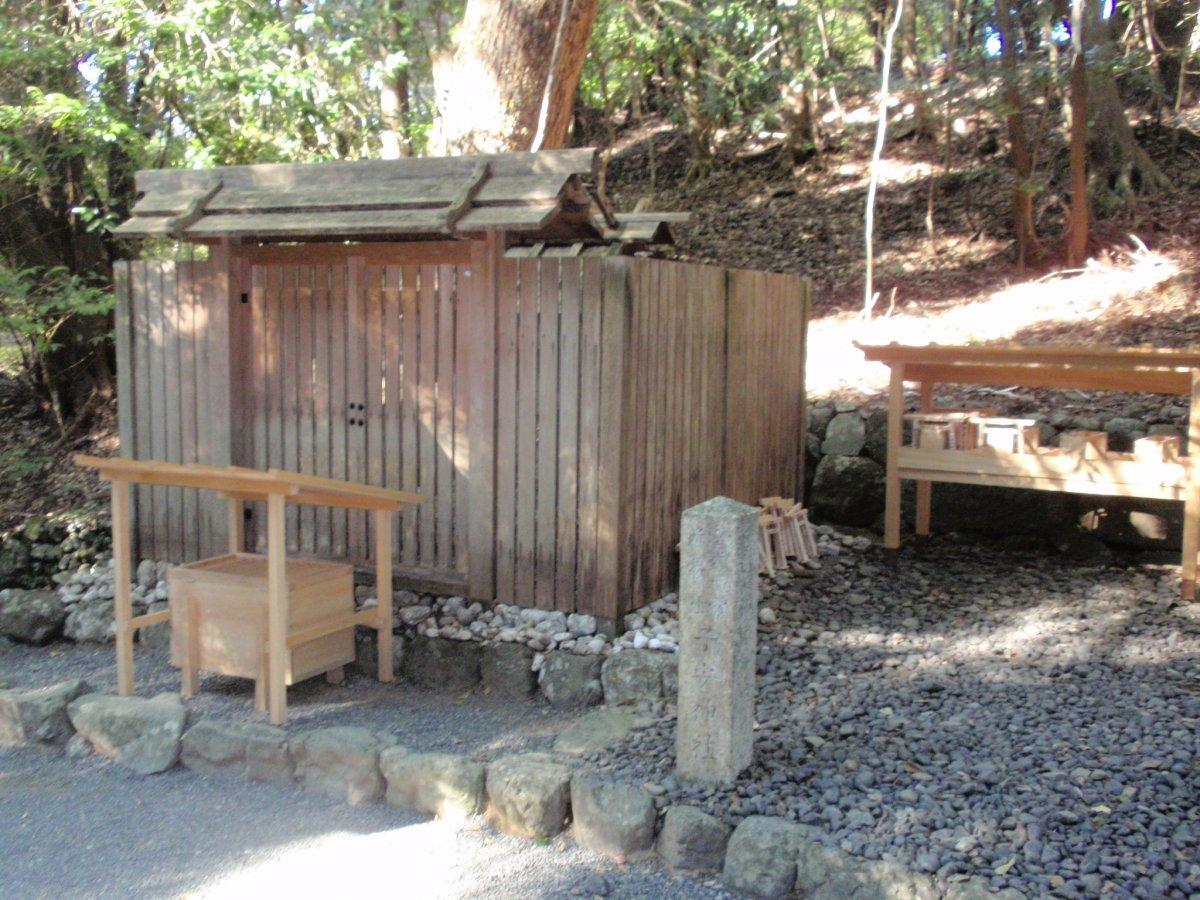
(276,488)
(1131,370)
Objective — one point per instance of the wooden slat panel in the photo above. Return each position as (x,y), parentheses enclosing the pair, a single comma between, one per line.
(426,396)
(356,392)
(392,404)
(340,356)
(463,310)
(547,432)
(260,390)
(588,460)
(526,453)
(158,402)
(410,414)
(567,504)
(123,339)
(219,288)
(143,497)
(325,417)
(188,339)
(507,419)
(716,399)
(444,513)
(274,411)
(172,422)
(479,343)
(615,423)
(291,373)
(374,385)
(306,353)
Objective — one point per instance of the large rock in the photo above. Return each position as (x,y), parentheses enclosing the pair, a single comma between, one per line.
(845,435)
(1122,432)
(825,873)
(761,857)
(442,664)
(341,763)
(506,671)
(366,651)
(529,794)
(875,445)
(616,819)
(635,675)
(246,750)
(91,622)
(443,784)
(156,637)
(999,511)
(692,841)
(829,874)
(569,681)
(819,417)
(38,715)
(848,490)
(141,735)
(596,730)
(31,617)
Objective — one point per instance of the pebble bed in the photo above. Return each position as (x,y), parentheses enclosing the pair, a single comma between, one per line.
(975,715)
(87,594)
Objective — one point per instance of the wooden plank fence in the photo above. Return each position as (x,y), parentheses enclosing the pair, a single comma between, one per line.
(618,392)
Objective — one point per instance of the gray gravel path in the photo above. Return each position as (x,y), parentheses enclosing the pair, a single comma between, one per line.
(84,828)
(973,713)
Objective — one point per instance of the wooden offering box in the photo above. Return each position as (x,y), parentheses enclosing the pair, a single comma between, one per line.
(225,600)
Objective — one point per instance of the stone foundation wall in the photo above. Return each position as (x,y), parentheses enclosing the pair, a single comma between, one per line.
(846,455)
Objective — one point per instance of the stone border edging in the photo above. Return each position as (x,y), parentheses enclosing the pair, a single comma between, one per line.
(532,795)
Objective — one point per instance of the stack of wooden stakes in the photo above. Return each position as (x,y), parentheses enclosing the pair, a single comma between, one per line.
(784,533)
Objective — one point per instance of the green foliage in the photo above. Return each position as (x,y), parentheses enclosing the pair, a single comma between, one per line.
(36,307)
(715,66)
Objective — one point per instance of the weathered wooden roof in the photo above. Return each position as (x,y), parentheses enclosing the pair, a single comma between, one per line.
(542,195)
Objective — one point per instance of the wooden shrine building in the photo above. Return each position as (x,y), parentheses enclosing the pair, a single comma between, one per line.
(477,329)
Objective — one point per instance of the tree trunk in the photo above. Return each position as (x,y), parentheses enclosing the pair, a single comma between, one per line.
(393,90)
(509,66)
(1028,247)
(1077,219)
(1120,167)
(951,30)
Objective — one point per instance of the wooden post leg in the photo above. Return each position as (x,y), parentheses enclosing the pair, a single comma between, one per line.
(1191,544)
(924,488)
(189,676)
(237,525)
(122,601)
(383,590)
(895,435)
(264,667)
(277,611)
(1191,504)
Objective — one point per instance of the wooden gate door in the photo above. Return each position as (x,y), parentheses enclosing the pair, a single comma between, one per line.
(355,374)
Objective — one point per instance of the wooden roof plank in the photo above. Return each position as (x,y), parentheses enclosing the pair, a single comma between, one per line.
(1053,354)
(252,484)
(549,164)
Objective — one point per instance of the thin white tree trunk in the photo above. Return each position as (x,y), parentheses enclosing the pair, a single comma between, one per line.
(869,295)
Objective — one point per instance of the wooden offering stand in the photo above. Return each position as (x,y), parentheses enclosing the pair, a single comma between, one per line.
(1081,465)
(245,614)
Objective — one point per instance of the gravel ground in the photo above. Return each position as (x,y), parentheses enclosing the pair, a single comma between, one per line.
(425,720)
(974,713)
(84,828)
